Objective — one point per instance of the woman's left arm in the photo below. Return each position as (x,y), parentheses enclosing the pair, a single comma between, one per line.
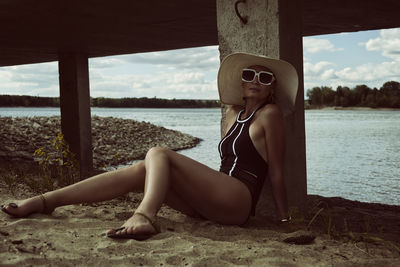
(275,141)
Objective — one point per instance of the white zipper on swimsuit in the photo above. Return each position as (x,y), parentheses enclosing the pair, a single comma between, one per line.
(234,151)
(220,144)
(240,132)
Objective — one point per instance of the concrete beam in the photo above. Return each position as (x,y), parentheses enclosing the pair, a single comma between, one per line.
(274,29)
(75,108)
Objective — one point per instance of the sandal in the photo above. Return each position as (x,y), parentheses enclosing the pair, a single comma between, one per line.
(137,236)
(45,209)
(285,221)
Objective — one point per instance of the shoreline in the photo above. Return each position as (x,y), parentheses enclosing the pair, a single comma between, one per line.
(349,108)
(116,107)
(305,108)
(115,141)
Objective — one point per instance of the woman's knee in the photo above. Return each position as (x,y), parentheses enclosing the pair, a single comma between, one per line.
(137,169)
(139,166)
(156,151)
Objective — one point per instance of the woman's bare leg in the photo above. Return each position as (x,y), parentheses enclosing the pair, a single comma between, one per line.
(101,187)
(210,193)
(168,177)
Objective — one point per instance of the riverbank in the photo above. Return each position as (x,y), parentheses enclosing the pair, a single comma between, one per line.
(346,233)
(115,141)
(345,108)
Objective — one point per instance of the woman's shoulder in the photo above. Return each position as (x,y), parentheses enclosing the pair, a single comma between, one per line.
(270,113)
(271,110)
(233,110)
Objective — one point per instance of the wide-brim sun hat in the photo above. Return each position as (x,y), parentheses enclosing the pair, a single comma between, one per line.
(230,79)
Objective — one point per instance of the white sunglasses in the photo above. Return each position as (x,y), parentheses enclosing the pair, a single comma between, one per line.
(264,77)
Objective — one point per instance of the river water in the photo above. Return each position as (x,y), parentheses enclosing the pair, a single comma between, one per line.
(353,154)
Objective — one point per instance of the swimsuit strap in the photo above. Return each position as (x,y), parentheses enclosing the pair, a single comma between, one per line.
(249,117)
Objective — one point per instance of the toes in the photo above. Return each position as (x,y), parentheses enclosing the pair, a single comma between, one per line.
(13,205)
(6,208)
(130,230)
(115,231)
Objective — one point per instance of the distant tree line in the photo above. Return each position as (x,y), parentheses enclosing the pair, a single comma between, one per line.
(388,96)
(143,102)
(28,101)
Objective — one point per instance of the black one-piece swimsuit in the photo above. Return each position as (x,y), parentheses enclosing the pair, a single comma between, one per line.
(240,159)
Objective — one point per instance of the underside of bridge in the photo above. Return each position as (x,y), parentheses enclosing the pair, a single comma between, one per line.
(37,31)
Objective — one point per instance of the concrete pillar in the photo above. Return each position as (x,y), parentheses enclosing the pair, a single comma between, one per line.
(274,29)
(75,108)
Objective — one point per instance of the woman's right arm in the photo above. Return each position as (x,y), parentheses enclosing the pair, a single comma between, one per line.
(230,117)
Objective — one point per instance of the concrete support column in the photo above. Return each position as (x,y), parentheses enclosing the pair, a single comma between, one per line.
(75,108)
(274,29)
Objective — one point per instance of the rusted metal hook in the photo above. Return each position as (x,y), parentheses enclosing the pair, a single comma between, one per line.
(242,19)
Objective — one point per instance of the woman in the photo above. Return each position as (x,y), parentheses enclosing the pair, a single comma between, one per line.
(253,144)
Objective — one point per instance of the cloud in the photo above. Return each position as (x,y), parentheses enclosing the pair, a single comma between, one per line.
(388,43)
(316,69)
(34,79)
(316,45)
(327,74)
(324,73)
(200,58)
(184,73)
(371,72)
(176,84)
(103,63)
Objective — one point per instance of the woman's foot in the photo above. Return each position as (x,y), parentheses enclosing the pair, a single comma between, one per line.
(26,207)
(139,227)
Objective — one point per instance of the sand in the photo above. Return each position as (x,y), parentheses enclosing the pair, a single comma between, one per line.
(75,236)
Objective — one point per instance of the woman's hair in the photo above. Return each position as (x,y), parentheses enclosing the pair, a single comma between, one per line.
(271,98)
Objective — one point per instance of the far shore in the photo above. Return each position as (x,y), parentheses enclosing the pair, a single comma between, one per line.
(306,107)
(346,108)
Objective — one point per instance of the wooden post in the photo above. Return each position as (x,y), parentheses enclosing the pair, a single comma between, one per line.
(75,108)
(274,29)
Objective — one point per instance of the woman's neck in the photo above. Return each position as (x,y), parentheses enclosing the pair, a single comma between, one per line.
(250,107)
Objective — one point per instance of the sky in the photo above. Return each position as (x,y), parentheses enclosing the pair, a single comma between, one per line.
(347,59)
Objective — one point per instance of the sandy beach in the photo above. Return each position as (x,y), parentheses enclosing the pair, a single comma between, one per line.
(333,232)
(75,236)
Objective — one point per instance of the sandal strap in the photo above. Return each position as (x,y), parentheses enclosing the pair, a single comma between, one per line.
(288,219)
(45,209)
(152,222)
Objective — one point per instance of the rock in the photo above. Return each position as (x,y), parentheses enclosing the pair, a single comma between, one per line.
(4,233)
(35,125)
(300,237)
(115,141)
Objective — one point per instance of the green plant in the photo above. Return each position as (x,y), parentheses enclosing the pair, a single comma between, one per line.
(296,215)
(59,167)
(10,179)
(326,221)
(26,173)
